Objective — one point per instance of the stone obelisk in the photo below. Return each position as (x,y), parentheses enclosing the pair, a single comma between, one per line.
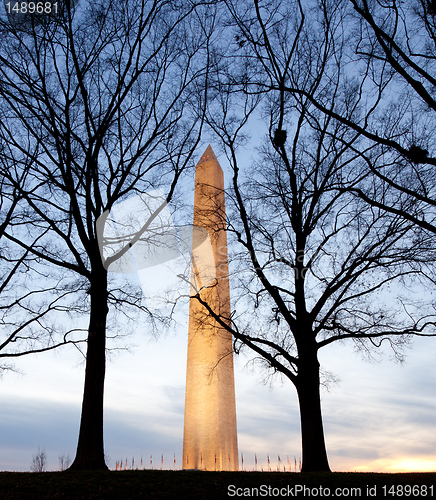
(210,437)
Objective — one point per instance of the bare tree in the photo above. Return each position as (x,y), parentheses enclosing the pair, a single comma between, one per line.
(399,39)
(99,104)
(64,462)
(390,63)
(313,264)
(19,340)
(27,313)
(39,462)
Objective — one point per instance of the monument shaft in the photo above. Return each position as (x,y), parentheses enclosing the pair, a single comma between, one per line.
(210,436)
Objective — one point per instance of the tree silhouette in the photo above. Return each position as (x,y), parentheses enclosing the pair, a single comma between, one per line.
(27,312)
(312,263)
(390,62)
(97,105)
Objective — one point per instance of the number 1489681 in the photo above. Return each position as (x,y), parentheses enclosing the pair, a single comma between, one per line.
(31,7)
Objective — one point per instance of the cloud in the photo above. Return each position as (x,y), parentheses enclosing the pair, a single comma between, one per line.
(31,424)
(379,417)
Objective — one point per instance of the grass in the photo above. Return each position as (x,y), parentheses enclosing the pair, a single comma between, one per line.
(138,484)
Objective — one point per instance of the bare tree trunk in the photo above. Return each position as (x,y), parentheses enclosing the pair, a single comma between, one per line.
(312,432)
(90,448)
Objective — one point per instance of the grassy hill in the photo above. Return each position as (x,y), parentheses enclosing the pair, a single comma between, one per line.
(138,484)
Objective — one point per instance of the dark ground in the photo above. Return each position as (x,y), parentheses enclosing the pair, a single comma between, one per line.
(140,484)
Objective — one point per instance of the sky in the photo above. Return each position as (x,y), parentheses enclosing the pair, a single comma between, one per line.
(378,416)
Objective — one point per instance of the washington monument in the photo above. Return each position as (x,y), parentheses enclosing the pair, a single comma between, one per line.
(210,437)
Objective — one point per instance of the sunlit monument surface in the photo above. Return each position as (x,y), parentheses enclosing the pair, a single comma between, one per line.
(210,437)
